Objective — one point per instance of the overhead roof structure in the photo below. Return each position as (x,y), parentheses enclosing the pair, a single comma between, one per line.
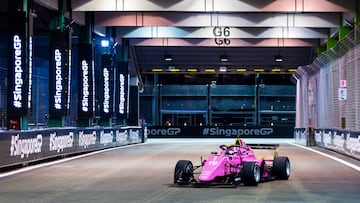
(197,32)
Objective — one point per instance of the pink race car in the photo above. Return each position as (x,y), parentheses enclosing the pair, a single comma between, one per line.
(235,164)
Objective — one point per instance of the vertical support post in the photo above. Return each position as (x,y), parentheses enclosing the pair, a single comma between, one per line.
(159,106)
(331,42)
(134,102)
(320,49)
(60,68)
(343,31)
(155,103)
(105,90)
(256,100)
(122,82)
(357,20)
(86,90)
(20,64)
(209,113)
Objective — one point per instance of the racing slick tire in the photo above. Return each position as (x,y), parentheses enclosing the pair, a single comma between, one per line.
(184,172)
(251,174)
(281,168)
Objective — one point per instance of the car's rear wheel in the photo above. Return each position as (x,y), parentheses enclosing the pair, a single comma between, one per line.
(251,174)
(281,168)
(184,172)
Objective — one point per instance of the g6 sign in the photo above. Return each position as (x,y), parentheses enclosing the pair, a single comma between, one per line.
(219,32)
(221,41)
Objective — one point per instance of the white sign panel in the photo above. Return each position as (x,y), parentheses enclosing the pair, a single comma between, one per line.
(342,94)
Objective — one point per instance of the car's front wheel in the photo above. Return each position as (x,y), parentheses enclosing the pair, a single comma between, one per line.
(184,172)
(281,168)
(251,174)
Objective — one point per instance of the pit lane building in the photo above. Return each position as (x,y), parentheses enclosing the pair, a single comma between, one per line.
(100,71)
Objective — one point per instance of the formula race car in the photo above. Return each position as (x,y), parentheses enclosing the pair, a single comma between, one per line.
(235,164)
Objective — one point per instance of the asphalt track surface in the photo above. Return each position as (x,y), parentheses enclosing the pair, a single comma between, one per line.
(144,173)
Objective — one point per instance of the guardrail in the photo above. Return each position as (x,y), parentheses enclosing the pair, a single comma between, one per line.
(345,142)
(21,147)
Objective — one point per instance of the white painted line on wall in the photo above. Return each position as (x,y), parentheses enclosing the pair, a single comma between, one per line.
(329,156)
(29,168)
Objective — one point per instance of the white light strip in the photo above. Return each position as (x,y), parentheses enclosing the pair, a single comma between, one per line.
(106,90)
(329,156)
(58,102)
(69,81)
(18,75)
(85,86)
(30,71)
(93,81)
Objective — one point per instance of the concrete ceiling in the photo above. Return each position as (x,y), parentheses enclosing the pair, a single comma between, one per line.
(194,31)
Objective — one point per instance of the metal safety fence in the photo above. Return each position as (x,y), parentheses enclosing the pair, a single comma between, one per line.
(328,90)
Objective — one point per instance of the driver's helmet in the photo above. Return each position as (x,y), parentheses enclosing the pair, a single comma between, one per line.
(238,141)
(234,148)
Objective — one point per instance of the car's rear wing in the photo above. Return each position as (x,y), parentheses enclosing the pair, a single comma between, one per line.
(274,147)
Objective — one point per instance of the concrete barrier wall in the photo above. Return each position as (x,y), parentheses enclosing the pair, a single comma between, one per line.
(341,141)
(345,142)
(20,147)
(300,136)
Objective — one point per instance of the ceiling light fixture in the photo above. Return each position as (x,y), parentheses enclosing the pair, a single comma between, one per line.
(278,58)
(208,70)
(192,70)
(276,70)
(259,70)
(222,69)
(168,57)
(224,58)
(241,70)
(175,70)
(105,43)
(157,70)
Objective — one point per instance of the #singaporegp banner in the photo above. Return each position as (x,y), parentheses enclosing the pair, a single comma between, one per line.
(59,73)
(27,146)
(19,66)
(86,81)
(122,89)
(106,87)
(219,132)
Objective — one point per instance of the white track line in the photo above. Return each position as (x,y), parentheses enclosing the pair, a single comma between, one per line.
(29,168)
(329,156)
